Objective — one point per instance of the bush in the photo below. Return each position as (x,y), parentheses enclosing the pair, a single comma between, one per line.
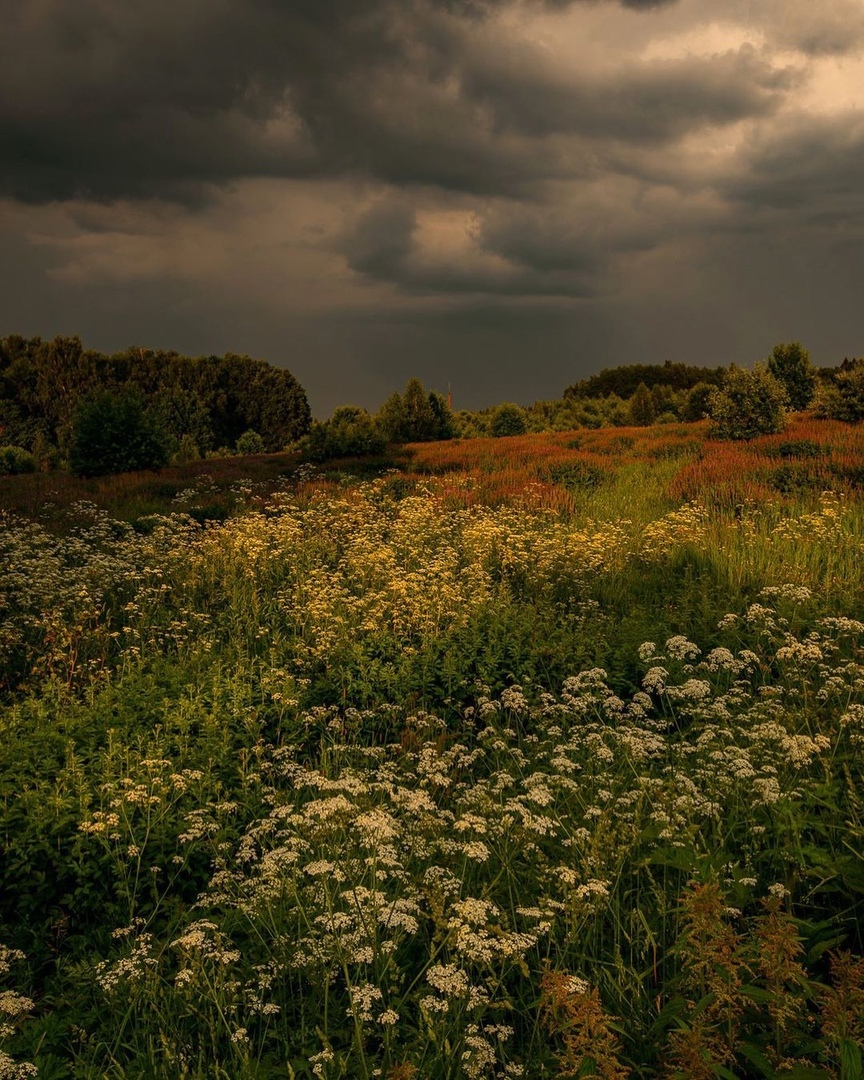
(508,419)
(350,432)
(798,448)
(187,450)
(844,400)
(15,459)
(749,403)
(250,442)
(113,433)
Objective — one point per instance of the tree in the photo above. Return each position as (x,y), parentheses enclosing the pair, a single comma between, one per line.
(443,426)
(696,403)
(749,403)
(391,418)
(419,417)
(508,419)
(643,411)
(415,416)
(790,365)
(113,432)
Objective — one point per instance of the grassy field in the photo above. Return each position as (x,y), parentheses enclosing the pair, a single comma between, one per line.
(533,757)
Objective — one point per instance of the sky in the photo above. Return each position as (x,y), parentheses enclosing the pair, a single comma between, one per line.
(499,196)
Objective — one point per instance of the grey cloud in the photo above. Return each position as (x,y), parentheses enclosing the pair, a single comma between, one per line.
(809,168)
(380,243)
(657,102)
(107,101)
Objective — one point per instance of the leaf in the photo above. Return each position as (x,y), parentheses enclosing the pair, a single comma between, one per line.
(755,1056)
(850,1060)
(757,993)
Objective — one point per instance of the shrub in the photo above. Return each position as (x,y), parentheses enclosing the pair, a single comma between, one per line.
(15,459)
(577,475)
(844,400)
(250,442)
(187,450)
(350,432)
(749,403)
(798,448)
(113,433)
(508,419)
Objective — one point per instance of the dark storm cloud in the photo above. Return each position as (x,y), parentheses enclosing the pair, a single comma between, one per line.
(380,243)
(656,102)
(108,100)
(811,168)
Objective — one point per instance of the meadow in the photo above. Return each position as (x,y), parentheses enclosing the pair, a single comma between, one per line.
(529,757)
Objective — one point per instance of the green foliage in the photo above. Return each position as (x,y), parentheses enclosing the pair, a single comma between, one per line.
(695,405)
(508,419)
(113,433)
(625,379)
(790,365)
(15,459)
(415,416)
(749,403)
(350,432)
(642,410)
(183,415)
(843,399)
(577,476)
(250,442)
(798,448)
(187,449)
(212,398)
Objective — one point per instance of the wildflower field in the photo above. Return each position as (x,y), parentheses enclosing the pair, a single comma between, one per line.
(531,757)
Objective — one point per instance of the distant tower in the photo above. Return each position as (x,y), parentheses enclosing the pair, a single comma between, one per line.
(449,397)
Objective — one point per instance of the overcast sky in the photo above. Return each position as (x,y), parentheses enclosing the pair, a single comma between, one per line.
(503,196)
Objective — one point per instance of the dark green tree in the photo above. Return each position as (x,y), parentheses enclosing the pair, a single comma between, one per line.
(415,416)
(419,417)
(443,425)
(642,410)
(790,365)
(696,403)
(508,419)
(182,413)
(391,419)
(113,433)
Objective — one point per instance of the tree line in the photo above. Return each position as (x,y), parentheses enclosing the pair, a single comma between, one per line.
(189,406)
(62,403)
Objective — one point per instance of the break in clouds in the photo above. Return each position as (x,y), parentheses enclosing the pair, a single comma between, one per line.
(502,194)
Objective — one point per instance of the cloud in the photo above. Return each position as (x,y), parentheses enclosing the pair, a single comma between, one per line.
(323,180)
(167,100)
(809,167)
